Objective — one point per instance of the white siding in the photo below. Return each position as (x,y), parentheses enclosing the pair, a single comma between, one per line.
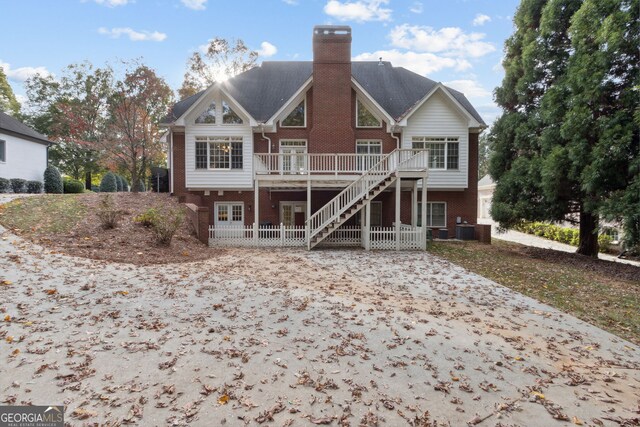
(438,117)
(226,179)
(24,159)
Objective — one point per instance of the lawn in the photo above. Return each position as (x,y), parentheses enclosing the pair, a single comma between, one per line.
(600,292)
(43,215)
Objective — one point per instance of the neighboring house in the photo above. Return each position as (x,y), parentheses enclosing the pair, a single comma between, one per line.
(485,194)
(332,150)
(23,151)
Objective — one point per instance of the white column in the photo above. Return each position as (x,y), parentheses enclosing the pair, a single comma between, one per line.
(308,214)
(414,204)
(424,210)
(398,191)
(256,210)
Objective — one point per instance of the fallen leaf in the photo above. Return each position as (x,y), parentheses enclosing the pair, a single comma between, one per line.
(7,318)
(538,395)
(577,421)
(51,291)
(6,282)
(223,400)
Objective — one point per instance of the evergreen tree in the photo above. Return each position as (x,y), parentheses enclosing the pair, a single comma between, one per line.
(566,146)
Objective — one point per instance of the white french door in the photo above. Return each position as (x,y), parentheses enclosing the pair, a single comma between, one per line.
(229,219)
(294,159)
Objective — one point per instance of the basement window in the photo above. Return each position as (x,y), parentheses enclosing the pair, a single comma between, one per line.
(297,118)
(3,151)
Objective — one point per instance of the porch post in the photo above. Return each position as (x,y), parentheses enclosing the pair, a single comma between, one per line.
(398,181)
(414,204)
(256,210)
(308,213)
(368,226)
(424,211)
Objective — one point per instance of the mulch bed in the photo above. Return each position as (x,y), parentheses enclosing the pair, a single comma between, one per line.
(129,242)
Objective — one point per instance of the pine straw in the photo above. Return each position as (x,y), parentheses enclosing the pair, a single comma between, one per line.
(68,224)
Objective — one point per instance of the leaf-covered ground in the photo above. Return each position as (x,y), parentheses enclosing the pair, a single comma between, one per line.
(69,224)
(604,293)
(290,337)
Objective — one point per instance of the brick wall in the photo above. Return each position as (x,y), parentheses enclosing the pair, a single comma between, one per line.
(179,177)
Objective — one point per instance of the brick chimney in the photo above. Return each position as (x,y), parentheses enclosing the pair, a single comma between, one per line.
(331,130)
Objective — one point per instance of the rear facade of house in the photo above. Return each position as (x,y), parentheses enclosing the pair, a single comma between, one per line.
(329,150)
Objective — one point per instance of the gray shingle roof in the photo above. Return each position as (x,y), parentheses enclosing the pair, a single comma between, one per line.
(15,126)
(263,90)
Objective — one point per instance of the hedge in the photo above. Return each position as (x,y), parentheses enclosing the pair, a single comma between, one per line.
(108,183)
(34,187)
(18,185)
(4,185)
(569,236)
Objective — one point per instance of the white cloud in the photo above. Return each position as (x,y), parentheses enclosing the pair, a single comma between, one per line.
(358,11)
(112,3)
(291,2)
(481,19)
(471,88)
(195,4)
(267,49)
(449,41)
(21,74)
(136,36)
(417,7)
(421,63)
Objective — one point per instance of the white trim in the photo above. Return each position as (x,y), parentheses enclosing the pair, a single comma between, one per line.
(292,203)
(287,115)
(230,204)
(430,213)
(180,121)
(472,122)
(358,101)
(446,143)
(294,98)
(218,139)
(369,99)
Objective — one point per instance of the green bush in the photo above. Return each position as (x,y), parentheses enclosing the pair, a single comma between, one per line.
(140,186)
(108,183)
(4,185)
(119,183)
(569,236)
(108,212)
(34,187)
(18,185)
(125,184)
(166,224)
(72,186)
(52,181)
(147,219)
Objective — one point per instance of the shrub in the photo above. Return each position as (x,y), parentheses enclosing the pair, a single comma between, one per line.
(52,180)
(148,218)
(73,186)
(166,224)
(108,212)
(34,187)
(108,183)
(125,184)
(18,185)
(140,187)
(119,183)
(569,236)
(4,185)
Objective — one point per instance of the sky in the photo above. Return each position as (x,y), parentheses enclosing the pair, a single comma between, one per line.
(456,42)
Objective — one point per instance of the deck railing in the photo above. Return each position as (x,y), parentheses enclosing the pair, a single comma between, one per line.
(332,164)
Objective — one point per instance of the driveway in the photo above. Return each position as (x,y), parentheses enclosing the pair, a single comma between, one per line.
(289,337)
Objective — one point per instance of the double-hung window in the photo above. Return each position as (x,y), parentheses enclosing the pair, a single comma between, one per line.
(444,152)
(369,153)
(436,214)
(213,152)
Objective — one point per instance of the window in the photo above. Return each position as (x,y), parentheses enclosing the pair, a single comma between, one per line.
(369,153)
(444,153)
(221,152)
(229,117)
(297,118)
(3,151)
(376,215)
(208,116)
(364,117)
(436,214)
(294,159)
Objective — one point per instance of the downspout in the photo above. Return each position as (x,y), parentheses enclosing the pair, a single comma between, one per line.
(395,137)
(265,137)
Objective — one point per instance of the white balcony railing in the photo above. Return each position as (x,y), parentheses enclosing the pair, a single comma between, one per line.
(333,164)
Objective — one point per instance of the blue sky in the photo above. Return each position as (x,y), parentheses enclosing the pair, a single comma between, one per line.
(458,42)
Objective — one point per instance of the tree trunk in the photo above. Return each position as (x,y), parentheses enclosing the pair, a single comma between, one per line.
(588,234)
(87,180)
